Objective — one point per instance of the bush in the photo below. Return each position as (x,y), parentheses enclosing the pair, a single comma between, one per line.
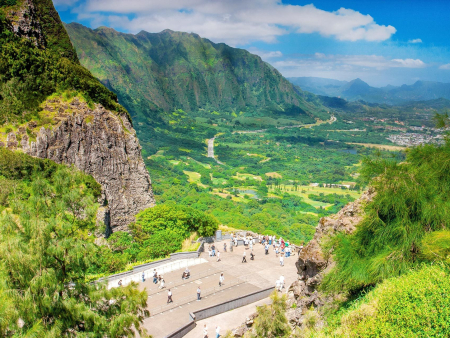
(161,244)
(414,305)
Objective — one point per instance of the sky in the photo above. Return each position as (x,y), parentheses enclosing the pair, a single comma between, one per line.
(381,42)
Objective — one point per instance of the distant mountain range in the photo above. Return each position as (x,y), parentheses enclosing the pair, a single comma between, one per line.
(360,90)
(174,70)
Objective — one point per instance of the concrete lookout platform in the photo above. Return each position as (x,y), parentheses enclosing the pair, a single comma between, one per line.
(244,284)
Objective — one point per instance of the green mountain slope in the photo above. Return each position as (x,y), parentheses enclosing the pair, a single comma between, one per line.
(175,70)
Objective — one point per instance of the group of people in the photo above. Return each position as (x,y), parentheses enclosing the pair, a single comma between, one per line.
(205,331)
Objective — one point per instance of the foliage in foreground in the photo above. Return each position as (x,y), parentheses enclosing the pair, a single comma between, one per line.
(46,252)
(413,305)
(412,200)
(271,321)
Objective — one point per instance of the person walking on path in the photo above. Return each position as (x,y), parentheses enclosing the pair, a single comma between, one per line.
(224,247)
(155,277)
(198,293)
(277,285)
(218,256)
(252,256)
(213,250)
(251,245)
(221,279)
(266,248)
(143,276)
(244,260)
(169,297)
(205,331)
(120,283)
(162,283)
(217,331)
(281,260)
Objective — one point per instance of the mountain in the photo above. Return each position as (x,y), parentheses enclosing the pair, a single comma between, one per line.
(174,70)
(359,90)
(52,107)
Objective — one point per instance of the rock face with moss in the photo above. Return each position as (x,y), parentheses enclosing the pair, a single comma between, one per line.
(82,125)
(101,144)
(313,263)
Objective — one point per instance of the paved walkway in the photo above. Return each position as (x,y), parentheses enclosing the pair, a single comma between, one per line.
(240,279)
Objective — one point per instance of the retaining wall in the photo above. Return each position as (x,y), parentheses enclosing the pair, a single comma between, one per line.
(218,309)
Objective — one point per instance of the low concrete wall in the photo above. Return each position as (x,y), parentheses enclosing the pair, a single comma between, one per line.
(220,308)
(232,304)
(182,331)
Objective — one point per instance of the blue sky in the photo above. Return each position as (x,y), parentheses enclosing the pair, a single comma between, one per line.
(381,42)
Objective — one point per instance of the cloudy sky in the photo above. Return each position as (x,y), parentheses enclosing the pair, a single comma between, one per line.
(380,41)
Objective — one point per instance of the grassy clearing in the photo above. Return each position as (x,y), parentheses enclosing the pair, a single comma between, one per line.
(243,177)
(194,177)
(159,153)
(304,190)
(174,162)
(379,146)
(273,174)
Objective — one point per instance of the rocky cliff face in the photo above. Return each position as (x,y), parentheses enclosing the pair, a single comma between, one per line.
(312,263)
(101,144)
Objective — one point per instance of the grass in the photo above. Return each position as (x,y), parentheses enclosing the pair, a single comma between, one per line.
(243,177)
(379,146)
(187,244)
(316,190)
(273,174)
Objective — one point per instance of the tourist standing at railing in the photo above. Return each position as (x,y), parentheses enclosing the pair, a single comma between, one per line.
(198,293)
(221,279)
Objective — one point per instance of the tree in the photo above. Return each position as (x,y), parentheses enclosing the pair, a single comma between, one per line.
(45,257)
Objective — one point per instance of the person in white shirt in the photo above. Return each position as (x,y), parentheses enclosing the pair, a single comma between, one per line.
(244,260)
(221,279)
(281,260)
(218,255)
(277,284)
(282,281)
(162,283)
(205,331)
(198,293)
(251,245)
(217,331)
(169,297)
(155,276)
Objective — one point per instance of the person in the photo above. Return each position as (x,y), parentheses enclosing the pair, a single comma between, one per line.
(251,245)
(282,281)
(270,240)
(221,279)
(169,297)
(143,276)
(252,256)
(205,331)
(198,293)
(231,245)
(162,283)
(277,285)
(217,331)
(244,260)
(266,248)
(276,251)
(224,247)
(186,274)
(213,248)
(218,255)
(281,260)
(155,277)
(120,283)
(209,251)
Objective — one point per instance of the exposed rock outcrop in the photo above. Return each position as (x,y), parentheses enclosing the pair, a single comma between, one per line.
(101,144)
(312,263)
(25,23)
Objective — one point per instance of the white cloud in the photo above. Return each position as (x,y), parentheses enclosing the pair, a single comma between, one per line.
(415,41)
(408,63)
(446,66)
(265,55)
(236,21)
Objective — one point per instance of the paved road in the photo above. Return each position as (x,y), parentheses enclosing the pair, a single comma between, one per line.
(211,149)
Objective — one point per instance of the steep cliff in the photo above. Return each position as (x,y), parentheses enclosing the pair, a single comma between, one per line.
(51,107)
(313,263)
